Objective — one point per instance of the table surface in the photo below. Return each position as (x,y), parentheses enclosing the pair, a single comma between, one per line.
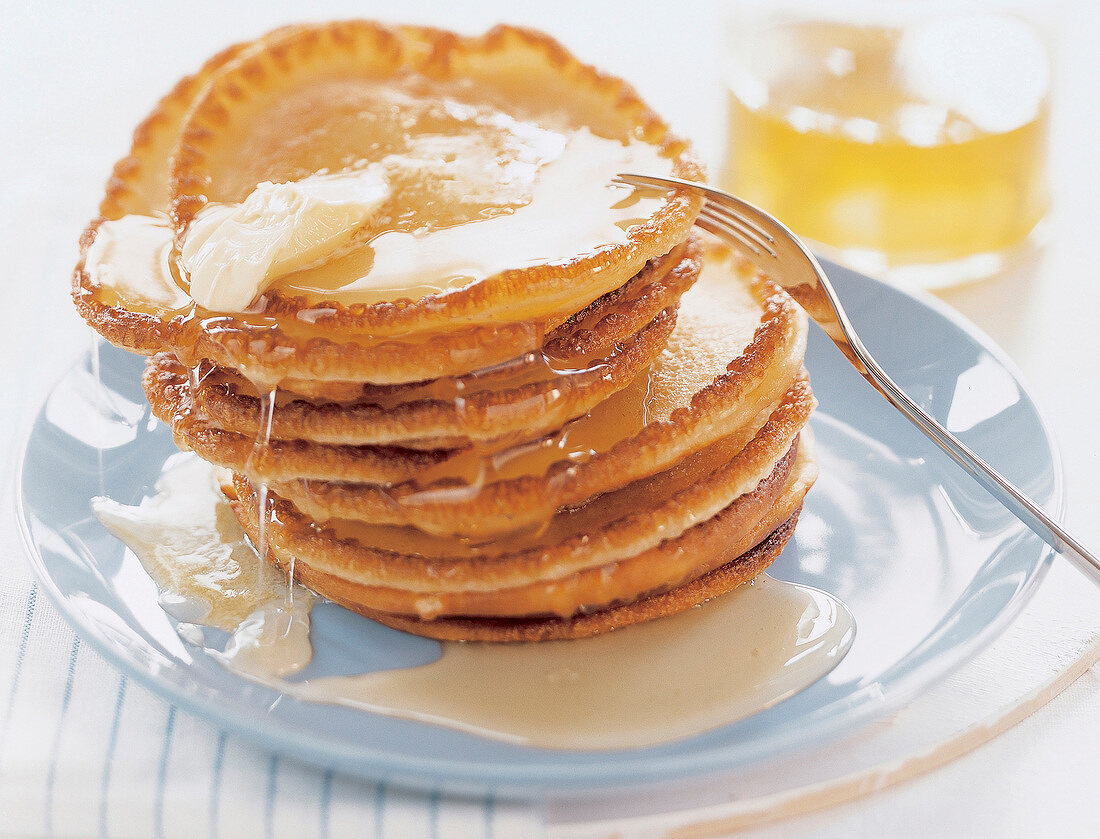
(76,77)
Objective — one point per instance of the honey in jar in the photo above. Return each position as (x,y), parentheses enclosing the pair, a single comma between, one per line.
(915,149)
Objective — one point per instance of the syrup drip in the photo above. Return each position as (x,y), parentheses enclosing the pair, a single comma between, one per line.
(620,416)
(259,451)
(117,417)
(196,380)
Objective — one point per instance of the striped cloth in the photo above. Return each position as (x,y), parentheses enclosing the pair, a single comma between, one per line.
(87,752)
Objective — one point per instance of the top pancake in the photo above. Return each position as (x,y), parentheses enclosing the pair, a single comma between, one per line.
(367,95)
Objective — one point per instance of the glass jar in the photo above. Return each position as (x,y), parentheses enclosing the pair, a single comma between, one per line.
(906,138)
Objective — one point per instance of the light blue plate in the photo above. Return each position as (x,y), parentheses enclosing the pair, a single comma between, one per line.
(929,564)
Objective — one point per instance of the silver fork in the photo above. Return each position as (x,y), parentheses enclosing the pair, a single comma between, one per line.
(774,249)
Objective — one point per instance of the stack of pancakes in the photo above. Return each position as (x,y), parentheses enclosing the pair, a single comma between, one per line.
(560,413)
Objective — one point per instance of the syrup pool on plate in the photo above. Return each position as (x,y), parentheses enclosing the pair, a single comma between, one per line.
(651,683)
(908,139)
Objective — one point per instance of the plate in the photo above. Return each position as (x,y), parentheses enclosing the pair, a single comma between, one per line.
(930,565)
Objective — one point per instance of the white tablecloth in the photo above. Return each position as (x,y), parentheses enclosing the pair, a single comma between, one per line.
(86,752)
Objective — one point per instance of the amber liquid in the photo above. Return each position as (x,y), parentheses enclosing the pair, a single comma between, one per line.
(857,151)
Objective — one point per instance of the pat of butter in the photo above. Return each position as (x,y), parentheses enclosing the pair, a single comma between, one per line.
(232,252)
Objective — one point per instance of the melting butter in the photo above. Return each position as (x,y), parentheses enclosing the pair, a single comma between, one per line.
(131,257)
(192,546)
(190,543)
(643,685)
(232,252)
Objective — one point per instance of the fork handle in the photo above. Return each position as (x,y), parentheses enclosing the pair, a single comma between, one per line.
(998,486)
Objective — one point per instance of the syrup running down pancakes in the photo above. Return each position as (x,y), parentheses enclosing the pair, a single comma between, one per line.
(453,377)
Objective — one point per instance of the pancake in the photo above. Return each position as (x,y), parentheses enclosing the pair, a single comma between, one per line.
(713,584)
(459,380)
(597,352)
(515,401)
(320,87)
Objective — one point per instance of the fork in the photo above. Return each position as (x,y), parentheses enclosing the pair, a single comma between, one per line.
(773,248)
